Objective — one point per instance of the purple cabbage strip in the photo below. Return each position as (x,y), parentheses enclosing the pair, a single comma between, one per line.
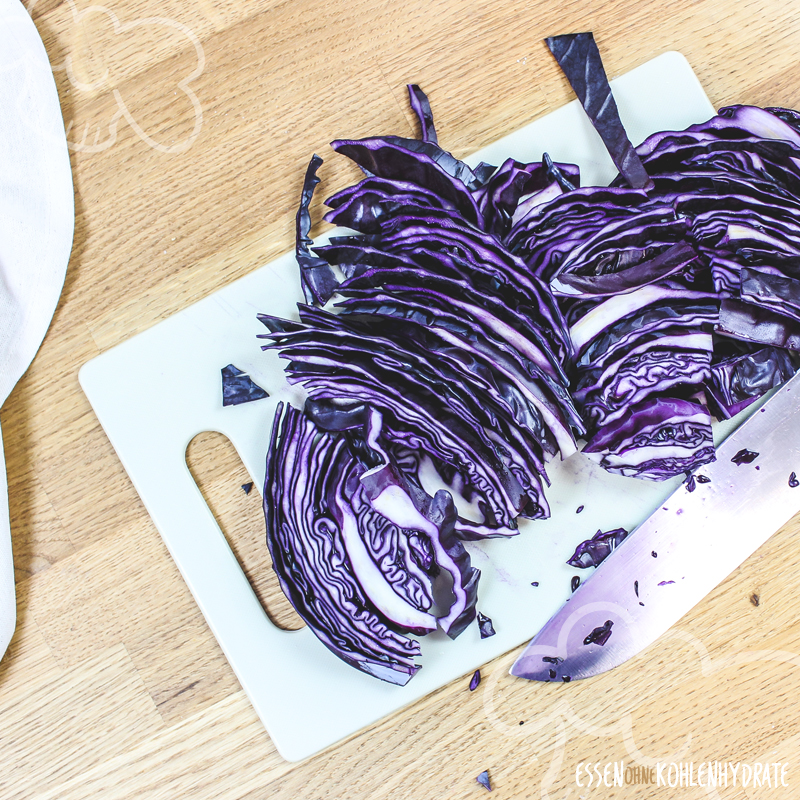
(758,325)
(422,108)
(667,263)
(579,58)
(775,292)
(317,278)
(492,315)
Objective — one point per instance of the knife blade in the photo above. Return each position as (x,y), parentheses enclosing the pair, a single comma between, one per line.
(681,552)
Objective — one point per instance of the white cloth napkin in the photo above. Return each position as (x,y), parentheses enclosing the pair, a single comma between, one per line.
(37,218)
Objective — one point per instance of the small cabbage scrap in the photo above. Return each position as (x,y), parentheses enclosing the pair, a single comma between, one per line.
(475,680)
(594,551)
(658,438)
(600,635)
(316,276)
(485,626)
(483,780)
(238,388)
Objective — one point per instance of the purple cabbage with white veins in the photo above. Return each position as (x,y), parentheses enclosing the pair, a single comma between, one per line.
(421,400)
(656,370)
(423,163)
(499,198)
(492,315)
(594,551)
(644,278)
(405,504)
(304,504)
(671,261)
(658,439)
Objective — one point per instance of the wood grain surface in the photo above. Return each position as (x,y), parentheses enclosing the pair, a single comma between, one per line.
(190,125)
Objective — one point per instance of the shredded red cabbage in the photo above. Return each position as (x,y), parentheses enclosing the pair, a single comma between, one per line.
(238,388)
(487,319)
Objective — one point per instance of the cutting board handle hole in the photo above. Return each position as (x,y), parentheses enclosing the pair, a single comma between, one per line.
(219,474)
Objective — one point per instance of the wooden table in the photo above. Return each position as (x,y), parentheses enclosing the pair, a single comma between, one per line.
(191,124)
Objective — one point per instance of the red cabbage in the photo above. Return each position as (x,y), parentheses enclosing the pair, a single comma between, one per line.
(364,555)
(578,56)
(601,634)
(483,780)
(238,388)
(489,317)
(744,456)
(595,550)
(422,108)
(739,379)
(310,476)
(485,626)
(316,276)
(657,439)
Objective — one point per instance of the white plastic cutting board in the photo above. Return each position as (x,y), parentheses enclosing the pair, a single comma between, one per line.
(155,392)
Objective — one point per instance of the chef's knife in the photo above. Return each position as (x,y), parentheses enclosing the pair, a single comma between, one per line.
(681,552)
